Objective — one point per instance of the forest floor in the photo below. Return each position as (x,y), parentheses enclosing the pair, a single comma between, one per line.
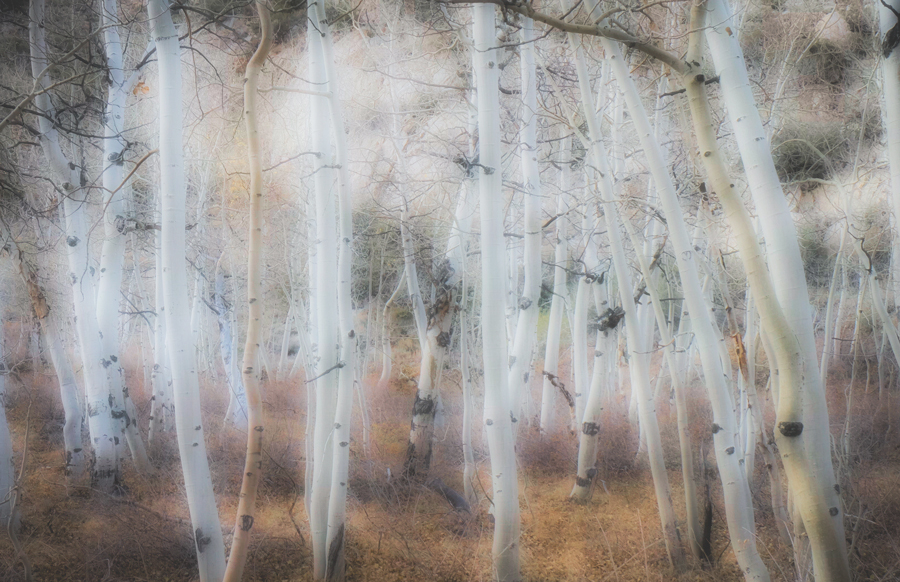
(400,531)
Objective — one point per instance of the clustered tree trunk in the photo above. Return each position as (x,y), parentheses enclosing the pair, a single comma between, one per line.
(609,303)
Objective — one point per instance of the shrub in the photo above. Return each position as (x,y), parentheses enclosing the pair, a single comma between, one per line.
(794,150)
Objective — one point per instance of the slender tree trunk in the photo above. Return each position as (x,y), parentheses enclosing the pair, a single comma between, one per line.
(529,309)
(640,381)
(162,403)
(104,434)
(236,414)
(554,327)
(255,420)
(68,387)
(387,361)
(806,470)
(112,256)
(337,503)
(819,497)
(497,411)
(181,351)
(326,281)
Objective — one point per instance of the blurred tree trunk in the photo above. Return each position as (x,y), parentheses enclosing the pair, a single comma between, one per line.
(326,281)
(112,255)
(252,473)
(557,304)
(101,402)
(497,411)
(68,386)
(528,304)
(639,374)
(207,531)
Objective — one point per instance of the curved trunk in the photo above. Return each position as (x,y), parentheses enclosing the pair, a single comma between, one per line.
(806,470)
(255,421)
(819,496)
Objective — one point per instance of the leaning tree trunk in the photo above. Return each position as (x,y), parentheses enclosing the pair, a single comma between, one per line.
(104,434)
(68,387)
(639,375)
(729,458)
(255,420)
(497,412)
(207,532)
(800,393)
(826,531)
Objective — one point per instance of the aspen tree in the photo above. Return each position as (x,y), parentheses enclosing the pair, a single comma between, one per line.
(68,387)
(820,497)
(347,343)
(236,413)
(554,327)
(112,255)
(250,374)
(207,532)
(639,375)
(738,501)
(497,411)
(326,281)
(805,468)
(104,434)
(529,310)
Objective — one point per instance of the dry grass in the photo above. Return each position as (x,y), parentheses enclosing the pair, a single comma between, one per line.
(400,531)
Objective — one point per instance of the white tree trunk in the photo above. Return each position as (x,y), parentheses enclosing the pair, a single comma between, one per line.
(112,255)
(801,401)
(104,434)
(529,308)
(162,403)
(554,327)
(640,381)
(250,373)
(182,353)
(826,533)
(497,411)
(347,342)
(326,281)
(236,414)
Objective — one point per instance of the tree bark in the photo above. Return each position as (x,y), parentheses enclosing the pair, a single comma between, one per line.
(181,351)
(497,411)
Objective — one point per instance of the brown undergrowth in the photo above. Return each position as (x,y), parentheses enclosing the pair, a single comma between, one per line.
(404,531)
